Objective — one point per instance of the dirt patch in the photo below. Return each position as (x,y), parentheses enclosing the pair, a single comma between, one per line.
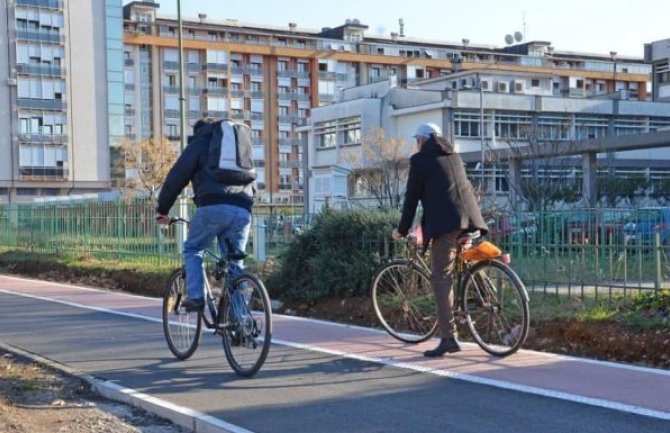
(35,399)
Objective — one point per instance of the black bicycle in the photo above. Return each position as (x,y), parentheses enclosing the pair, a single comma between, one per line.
(238,311)
(489,297)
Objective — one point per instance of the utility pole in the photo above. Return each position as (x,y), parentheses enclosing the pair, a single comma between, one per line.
(481,137)
(183,199)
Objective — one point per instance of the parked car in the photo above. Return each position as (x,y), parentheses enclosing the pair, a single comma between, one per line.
(645,223)
(505,228)
(595,226)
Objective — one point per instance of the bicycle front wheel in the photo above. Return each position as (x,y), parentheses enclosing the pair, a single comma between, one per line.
(403,301)
(247,324)
(495,304)
(182,329)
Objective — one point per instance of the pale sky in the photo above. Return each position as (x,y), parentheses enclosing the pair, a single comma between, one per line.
(589,26)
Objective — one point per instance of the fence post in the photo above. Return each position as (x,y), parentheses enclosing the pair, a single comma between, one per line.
(657,262)
(259,238)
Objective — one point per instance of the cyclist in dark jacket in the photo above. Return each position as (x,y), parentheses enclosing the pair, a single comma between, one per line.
(438,180)
(222,211)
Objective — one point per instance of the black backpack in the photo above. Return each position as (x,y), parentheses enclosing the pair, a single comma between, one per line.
(230,157)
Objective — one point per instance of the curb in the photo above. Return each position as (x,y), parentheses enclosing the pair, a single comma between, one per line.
(184,417)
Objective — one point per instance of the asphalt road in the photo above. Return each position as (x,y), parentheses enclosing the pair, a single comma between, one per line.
(298,390)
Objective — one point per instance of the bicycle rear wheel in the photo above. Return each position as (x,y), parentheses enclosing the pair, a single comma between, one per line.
(403,301)
(182,329)
(495,304)
(247,335)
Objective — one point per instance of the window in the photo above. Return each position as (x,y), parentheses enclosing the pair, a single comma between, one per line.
(351,130)
(534,82)
(466,124)
(325,133)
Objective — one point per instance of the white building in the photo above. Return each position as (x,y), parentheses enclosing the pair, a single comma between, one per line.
(509,105)
(61,96)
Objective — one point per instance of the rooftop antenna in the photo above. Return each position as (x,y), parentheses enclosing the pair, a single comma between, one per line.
(402,27)
(524,26)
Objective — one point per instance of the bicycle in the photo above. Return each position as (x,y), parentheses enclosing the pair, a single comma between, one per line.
(240,313)
(489,297)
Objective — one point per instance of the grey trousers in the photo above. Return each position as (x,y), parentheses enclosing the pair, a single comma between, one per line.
(443,254)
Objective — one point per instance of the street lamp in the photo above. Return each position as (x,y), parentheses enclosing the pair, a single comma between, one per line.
(481,134)
(613,55)
(183,200)
(481,131)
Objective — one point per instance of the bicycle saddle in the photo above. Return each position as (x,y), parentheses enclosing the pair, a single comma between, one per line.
(233,253)
(468,236)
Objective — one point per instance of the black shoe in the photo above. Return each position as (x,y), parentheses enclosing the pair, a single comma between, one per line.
(447,345)
(195,304)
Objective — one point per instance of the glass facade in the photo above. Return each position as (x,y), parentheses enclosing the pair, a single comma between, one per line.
(115,64)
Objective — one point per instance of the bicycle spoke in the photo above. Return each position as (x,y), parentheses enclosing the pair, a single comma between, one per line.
(182,329)
(247,337)
(403,302)
(496,309)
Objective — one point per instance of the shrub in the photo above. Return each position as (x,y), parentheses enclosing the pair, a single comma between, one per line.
(336,256)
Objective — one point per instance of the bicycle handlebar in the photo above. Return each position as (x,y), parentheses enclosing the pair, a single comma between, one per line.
(174,220)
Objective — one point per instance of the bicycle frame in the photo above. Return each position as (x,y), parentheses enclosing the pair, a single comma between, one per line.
(417,256)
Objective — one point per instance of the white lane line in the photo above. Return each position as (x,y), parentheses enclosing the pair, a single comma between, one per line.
(438,372)
(607,404)
(83,306)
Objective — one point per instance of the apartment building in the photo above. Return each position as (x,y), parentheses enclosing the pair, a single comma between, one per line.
(61,96)
(658,55)
(483,112)
(272,77)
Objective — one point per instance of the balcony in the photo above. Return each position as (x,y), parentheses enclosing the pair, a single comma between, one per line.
(43,138)
(42,173)
(171,66)
(288,118)
(39,36)
(325,75)
(42,104)
(214,67)
(291,141)
(216,91)
(256,94)
(213,114)
(47,4)
(175,90)
(130,136)
(238,70)
(40,69)
(292,73)
(238,93)
(293,96)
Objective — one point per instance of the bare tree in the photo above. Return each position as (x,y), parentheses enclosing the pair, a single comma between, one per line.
(146,164)
(547,172)
(380,170)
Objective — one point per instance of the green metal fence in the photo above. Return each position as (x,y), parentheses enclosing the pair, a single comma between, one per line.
(596,252)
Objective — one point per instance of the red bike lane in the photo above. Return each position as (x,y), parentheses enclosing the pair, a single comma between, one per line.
(610,385)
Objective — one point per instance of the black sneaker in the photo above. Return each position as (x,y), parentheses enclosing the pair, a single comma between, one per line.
(195,304)
(447,345)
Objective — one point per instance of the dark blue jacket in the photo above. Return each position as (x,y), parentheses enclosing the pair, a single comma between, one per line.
(191,167)
(438,180)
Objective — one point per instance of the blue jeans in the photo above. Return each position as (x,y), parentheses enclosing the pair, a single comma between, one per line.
(220,221)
